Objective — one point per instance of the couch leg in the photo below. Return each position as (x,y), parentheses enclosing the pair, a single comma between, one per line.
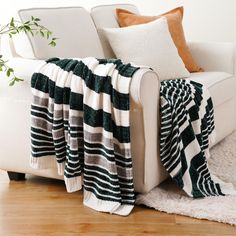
(16,176)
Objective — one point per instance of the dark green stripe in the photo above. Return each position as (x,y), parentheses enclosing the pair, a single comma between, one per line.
(38,155)
(101,184)
(41,109)
(42,115)
(41,138)
(101,176)
(100,118)
(38,130)
(96,83)
(101,170)
(100,195)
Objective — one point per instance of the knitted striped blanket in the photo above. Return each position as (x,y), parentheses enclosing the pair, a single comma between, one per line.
(187,130)
(80,125)
(80,118)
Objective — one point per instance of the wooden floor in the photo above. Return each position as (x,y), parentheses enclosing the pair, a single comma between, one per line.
(40,206)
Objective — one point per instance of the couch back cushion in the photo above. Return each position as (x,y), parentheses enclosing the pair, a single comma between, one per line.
(74,28)
(104,16)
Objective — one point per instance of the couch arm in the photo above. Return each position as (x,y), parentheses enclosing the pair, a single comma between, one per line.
(213,56)
(24,68)
(144,124)
(20,92)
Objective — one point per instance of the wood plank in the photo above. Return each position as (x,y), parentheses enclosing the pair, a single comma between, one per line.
(41,206)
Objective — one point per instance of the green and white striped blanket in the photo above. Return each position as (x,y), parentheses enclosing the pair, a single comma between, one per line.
(187,130)
(80,115)
(80,124)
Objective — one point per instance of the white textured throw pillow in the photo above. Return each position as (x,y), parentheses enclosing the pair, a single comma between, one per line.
(148,44)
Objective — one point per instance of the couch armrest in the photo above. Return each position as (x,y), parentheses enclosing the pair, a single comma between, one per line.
(24,68)
(213,56)
(144,117)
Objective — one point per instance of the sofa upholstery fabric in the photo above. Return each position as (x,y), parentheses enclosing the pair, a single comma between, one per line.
(105,17)
(218,83)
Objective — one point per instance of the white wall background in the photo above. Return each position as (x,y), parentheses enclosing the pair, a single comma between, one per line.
(204,20)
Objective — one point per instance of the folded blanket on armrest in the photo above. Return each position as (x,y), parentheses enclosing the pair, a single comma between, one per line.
(80,118)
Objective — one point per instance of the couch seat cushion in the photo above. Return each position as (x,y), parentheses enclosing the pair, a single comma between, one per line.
(222,86)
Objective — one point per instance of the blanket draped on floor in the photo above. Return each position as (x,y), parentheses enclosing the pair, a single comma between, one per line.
(80,118)
(187,130)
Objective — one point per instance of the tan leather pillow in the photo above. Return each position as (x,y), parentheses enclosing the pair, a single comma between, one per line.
(174,19)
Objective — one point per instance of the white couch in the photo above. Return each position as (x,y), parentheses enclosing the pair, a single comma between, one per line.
(218,60)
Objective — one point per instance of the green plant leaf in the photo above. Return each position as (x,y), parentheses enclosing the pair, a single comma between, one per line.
(42,33)
(9,71)
(18,79)
(12,24)
(27,27)
(12,82)
(31,27)
(52,43)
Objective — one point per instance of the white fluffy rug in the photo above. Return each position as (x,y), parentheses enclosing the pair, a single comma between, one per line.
(168,198)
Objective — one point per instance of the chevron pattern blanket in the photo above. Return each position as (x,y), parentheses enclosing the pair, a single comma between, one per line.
(80,115)
(187,130)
